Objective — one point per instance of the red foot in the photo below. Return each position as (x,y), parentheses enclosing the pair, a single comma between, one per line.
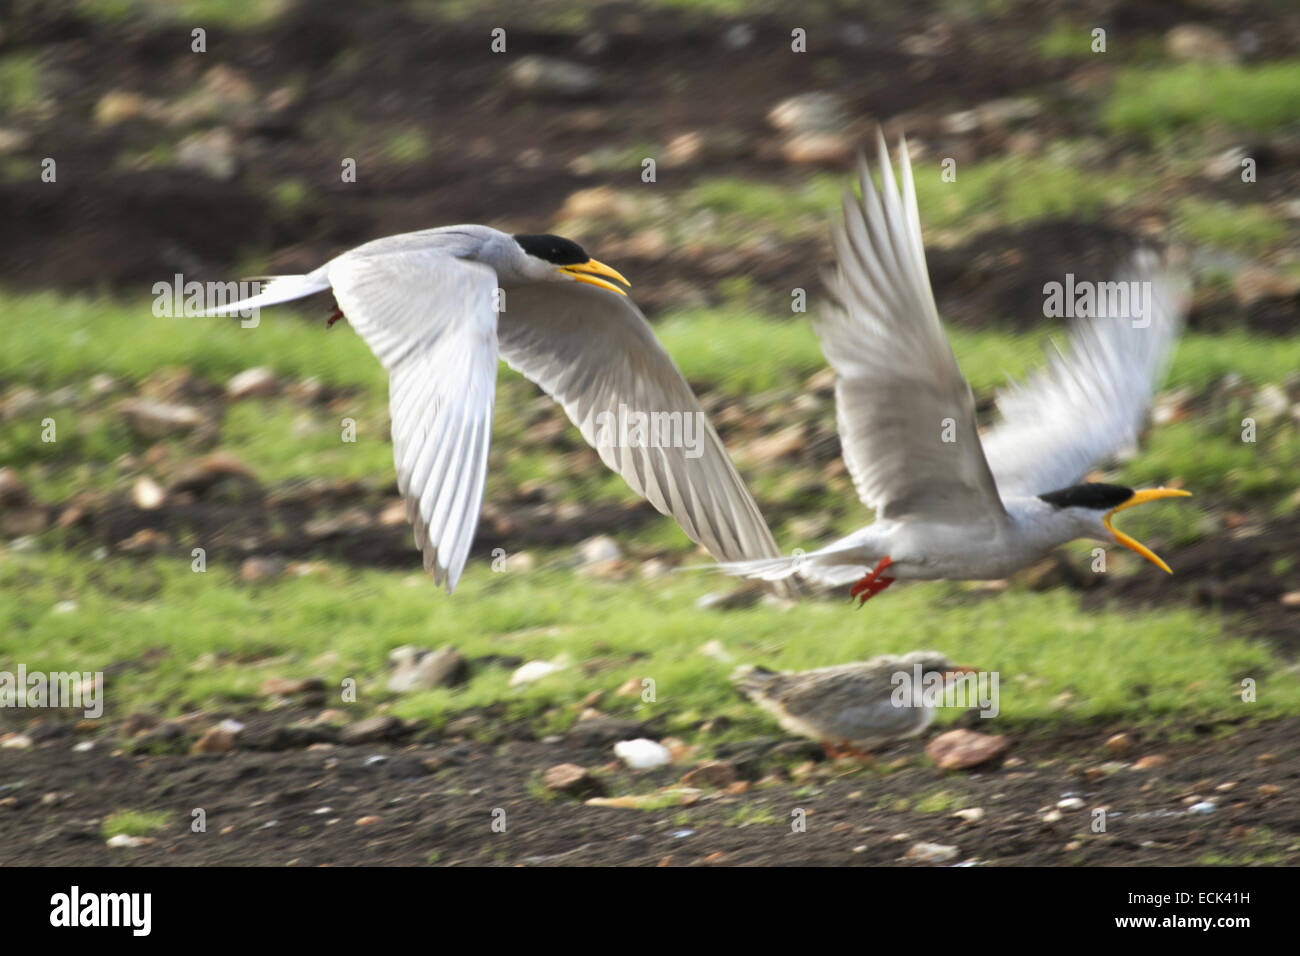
(873,583)
(338,314)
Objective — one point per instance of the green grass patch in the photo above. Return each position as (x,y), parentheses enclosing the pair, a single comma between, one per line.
(134,823)
(996,192)
(1249,228)
(406,147)
(789,209)
(1017,189)
(20,82)
(1066,40)
(1159,101)
(67,339)
(1211,456)
(1203,359)
(753,815)
(222,640)
(939,802)
(231,14)
(290,195)
(280,440)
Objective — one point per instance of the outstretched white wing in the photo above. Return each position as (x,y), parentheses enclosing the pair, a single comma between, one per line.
(594,353)
(429,318)
(1092,400)
(906,415)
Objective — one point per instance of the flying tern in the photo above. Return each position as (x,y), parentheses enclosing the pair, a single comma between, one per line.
(440,306)
(949,503)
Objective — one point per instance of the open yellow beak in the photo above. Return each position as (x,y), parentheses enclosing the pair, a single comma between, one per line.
(1141,497)
(590,272)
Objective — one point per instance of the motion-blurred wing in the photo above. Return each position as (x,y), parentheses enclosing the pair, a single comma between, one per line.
(429,318)
(906,415)
(1091,401)
(595,354)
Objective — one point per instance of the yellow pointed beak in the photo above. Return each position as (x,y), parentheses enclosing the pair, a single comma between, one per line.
(591,271)
(1141,497)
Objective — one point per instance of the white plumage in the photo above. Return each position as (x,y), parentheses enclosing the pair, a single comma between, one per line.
(427,305)
(949,504)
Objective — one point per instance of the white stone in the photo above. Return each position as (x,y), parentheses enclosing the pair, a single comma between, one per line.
(642,754)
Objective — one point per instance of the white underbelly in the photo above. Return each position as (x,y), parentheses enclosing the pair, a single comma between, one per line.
(928,552)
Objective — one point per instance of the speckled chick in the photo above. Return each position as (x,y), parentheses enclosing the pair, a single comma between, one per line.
(847,706)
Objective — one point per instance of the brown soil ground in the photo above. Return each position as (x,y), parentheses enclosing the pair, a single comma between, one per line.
(435,802)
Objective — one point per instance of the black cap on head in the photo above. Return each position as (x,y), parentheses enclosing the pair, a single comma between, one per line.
(556,249)
(1094,495)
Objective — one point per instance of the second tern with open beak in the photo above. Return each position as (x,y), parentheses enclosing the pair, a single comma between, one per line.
(948,502)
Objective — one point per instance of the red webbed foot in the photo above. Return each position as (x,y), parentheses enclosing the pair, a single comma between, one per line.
(872,584)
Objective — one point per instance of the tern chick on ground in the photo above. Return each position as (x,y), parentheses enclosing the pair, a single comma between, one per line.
(848,708)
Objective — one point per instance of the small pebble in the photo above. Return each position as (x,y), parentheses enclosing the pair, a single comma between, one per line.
(126,841)
(1119,744)
(930,853)
(1152,760)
